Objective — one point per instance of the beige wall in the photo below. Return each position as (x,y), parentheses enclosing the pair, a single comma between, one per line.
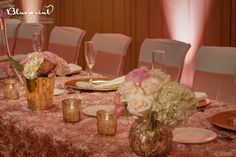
(140,19)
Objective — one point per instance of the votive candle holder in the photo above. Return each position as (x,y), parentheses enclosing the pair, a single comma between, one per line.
(71,110)
(11,89)
(106,122)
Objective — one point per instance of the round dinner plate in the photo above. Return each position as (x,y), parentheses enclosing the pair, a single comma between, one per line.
(193,135)
(92,110)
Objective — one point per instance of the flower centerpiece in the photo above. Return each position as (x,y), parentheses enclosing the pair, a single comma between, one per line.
(39,69)
(159,103)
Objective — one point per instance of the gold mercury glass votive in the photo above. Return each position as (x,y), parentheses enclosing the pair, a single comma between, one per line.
(106,122)
(71,110)
(11,89)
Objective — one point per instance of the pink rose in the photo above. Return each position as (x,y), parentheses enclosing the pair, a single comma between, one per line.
(53,58)
(119,106)
(25,60)
(138,75)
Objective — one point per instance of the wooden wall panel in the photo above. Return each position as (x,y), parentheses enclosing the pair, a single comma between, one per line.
(139,19)
(233,23)
(155,19)
(107,16)
(217,30)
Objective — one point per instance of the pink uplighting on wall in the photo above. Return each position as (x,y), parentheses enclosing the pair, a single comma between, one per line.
(31,6)
(186,20)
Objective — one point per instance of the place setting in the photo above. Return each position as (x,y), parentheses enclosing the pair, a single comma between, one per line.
(92,83)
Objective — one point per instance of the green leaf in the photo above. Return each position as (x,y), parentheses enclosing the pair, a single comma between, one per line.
(31,85)
(15,64)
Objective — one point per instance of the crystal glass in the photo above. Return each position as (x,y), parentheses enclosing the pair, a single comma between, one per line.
(71,110)
(158,59)
(106,122)
(90,56)
(38,40)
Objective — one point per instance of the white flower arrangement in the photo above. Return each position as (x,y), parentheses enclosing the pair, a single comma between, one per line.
(146,90)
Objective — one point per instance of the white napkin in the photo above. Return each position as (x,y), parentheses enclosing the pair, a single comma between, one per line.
(200,96)
(74,67)
(113,82)
(99,84)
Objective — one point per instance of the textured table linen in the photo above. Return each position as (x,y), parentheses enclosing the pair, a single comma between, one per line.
(24,132)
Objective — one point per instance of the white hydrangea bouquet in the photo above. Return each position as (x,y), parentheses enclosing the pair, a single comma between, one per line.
(144,91)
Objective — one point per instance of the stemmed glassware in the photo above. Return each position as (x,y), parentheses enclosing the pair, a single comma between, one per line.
(90,56)
(38,41)
(158,59)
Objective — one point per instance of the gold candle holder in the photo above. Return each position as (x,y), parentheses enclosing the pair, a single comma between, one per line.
(71,110)
(106,122)
(11,89)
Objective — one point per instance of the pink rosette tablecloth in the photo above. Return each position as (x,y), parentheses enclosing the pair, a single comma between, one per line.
(24,132)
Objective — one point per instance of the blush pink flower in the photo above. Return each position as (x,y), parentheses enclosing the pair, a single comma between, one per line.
(25,60)
(119,105)
(138,75)
(53,58)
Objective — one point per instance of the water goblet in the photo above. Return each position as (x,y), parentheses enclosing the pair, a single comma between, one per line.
(38,40)
(158,59)
(90,56)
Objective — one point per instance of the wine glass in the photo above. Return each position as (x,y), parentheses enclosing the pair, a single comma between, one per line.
(90,56)
(38,40)
(158,59)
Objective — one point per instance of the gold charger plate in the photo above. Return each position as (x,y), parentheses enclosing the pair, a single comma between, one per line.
(226,120)
(72,84)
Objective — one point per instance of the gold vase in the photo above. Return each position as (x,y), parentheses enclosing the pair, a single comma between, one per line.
(149,142)
(39,93)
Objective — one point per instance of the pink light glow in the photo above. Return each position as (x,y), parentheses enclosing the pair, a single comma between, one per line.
(31,6)
(186,20)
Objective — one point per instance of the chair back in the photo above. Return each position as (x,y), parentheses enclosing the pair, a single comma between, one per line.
(215,72)
(12,27)
(175,52)
(112,49)
(66,42)
(25,36)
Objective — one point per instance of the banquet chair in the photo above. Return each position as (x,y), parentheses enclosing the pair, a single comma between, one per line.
(175,52)
(12,26)
(66,42)
(24,37)
(112,49)
(215,72)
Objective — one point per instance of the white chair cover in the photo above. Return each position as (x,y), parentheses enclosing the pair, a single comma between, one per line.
(215,72)
(66,42)
(175,52)
(25,35)
(12,27)
(112,49)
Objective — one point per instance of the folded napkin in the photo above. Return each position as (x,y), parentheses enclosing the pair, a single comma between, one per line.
(200,96)
(114,82)
(101,83)
(74,67)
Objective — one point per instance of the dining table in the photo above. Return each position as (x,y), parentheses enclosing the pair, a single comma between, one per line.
(25,132)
